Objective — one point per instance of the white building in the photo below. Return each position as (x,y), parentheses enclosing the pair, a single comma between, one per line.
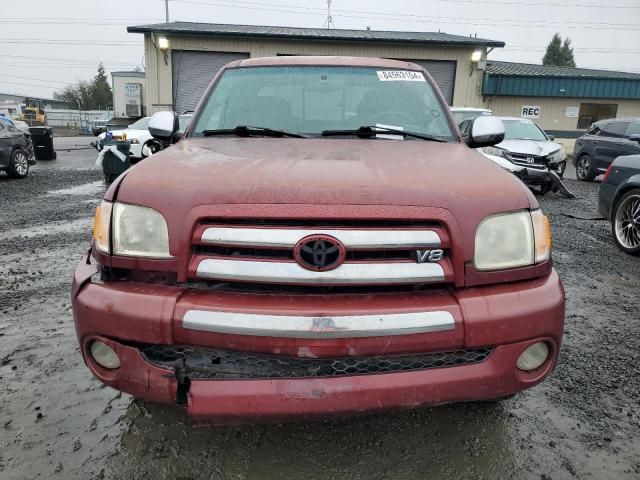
(128,94)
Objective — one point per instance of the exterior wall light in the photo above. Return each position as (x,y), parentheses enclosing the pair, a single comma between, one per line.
(163,44)
(476,61)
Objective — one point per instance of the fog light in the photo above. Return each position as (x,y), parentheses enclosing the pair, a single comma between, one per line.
(104,355)
(533,357)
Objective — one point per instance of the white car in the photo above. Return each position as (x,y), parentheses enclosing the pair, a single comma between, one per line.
(529,152)
(460,114)
(142,143)
(138,134)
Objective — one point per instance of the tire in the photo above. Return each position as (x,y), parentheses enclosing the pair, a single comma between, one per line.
(625,222)
(19,165)
(152,146)
(584,169)
(562,169)
(545,188)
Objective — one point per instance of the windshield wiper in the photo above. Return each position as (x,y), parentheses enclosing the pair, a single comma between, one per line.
(247,131)
(369,131)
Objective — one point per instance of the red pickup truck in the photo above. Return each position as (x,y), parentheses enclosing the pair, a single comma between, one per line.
(321,240)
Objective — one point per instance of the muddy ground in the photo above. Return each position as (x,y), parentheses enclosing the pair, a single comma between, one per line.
(56,421)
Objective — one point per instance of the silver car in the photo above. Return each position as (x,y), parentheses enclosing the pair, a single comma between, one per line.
(530,153)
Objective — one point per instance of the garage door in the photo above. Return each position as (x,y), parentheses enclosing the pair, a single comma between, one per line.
(444,74)
(192,73)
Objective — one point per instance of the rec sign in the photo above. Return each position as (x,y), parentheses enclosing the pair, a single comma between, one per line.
(530,111)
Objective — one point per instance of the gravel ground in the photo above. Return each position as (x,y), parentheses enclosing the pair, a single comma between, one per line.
(56,421)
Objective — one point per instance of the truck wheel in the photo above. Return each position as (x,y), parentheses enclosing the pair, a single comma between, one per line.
(625,222)
(19,165)
(584,169)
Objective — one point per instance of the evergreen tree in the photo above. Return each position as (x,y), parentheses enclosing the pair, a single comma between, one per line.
(102,96)
(558,53)
(567,54)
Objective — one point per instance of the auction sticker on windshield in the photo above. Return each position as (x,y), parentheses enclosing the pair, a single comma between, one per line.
(400,76)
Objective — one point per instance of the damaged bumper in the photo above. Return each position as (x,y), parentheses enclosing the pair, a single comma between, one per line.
(499,322)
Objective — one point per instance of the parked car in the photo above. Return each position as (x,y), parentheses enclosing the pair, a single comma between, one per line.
(98,126)
(619,202)
(20,125)
(604,142)
(318,243)
(460,114)
(16,150)
(143,144)
(528,151)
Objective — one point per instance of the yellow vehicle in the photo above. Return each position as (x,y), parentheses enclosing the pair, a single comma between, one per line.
(32,115)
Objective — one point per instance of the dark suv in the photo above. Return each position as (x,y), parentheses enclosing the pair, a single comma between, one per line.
(16,150)
(603,143)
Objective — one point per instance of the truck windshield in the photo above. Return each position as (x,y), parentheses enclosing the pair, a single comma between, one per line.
(522,130)
(311,99)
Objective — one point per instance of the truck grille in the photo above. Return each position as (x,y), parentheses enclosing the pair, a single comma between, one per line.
(208,363)
(354,253)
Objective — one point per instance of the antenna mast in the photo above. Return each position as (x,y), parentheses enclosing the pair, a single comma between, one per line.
(328,23)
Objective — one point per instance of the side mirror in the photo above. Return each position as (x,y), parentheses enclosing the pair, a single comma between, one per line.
(635,137)
(551,137)
(485,132)
(163,126)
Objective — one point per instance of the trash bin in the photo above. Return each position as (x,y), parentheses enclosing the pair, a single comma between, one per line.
(42,139)
(112,164)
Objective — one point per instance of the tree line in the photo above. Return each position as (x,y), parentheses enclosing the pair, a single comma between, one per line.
(91,94)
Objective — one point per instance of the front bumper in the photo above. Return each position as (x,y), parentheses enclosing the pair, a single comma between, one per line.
(136,151)
(507,317)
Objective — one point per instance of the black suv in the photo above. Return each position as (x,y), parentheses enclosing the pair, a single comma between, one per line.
(16,150)
(603,143)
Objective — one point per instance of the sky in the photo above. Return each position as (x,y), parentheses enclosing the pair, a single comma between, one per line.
(47,44)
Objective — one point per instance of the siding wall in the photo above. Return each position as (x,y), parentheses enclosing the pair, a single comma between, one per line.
(119,98)
(467,91)
(552,115)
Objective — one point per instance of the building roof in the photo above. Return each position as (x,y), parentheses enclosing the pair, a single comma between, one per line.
(526,80)
(17,97)
(131,73)
(532,70)
(257,31)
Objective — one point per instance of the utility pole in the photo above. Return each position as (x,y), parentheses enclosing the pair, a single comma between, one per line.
(328,23)
(166,10)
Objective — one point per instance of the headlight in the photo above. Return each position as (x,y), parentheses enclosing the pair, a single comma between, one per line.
(510,240)
(101,227)
(139,232)
(557,156)
(498,152)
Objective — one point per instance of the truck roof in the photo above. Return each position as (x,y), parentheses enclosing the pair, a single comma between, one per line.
(326,61)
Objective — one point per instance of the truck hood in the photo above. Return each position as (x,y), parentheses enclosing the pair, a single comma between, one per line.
(321,173)
(212,171)
(530,147)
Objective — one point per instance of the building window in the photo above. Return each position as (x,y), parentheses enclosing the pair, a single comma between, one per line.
(594,112)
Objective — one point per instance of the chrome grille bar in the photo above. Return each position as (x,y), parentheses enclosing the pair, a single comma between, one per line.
(345,274)
(318,327)
(352,239)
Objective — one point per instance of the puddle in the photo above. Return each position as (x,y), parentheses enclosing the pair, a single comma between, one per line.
(79,225)
(92,188)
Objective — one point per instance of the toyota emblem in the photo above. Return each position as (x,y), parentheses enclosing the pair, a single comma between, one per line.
(319,253)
